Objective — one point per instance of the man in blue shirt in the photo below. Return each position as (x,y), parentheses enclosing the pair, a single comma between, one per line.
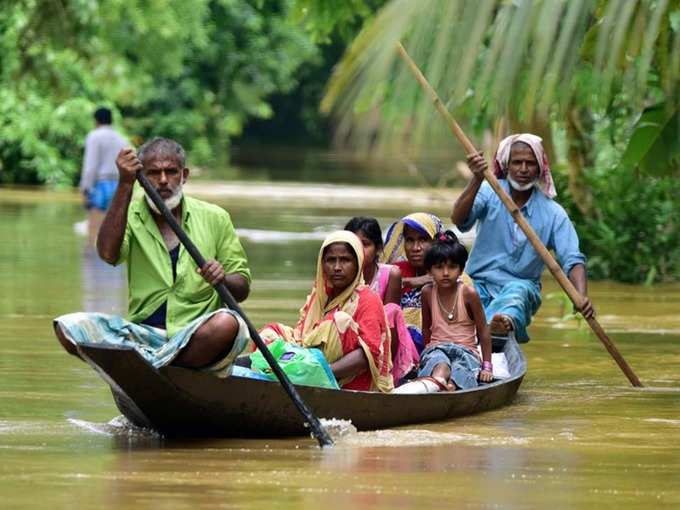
(504,266)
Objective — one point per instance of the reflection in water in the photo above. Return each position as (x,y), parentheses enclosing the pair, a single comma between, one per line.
(450,470)
(103,286)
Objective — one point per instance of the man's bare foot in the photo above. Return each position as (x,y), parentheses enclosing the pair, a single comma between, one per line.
(500,325)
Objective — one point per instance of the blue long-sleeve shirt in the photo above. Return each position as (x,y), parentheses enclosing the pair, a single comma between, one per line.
(502,253)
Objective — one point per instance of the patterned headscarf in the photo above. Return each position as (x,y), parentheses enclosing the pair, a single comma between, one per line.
(425,223)
(545,181)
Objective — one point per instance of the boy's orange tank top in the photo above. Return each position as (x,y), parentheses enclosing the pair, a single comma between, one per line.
(460,330)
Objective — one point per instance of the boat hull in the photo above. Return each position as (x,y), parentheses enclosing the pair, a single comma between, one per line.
(181,402)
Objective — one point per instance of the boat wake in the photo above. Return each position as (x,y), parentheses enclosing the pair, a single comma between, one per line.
(420,437)
(118,427)
(338,429)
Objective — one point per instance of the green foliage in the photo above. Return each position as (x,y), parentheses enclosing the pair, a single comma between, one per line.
(253,52)
(296,117)
(566,312)
(326,19)
(654,146)
(61,59)
(193,70)
(519,58)
(631,232)
(636,235)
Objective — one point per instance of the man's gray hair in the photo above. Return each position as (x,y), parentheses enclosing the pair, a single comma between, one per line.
(162,147)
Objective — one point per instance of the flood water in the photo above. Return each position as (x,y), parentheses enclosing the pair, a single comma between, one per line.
(576,436)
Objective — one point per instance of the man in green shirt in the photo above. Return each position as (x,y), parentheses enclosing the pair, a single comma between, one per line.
(174,314)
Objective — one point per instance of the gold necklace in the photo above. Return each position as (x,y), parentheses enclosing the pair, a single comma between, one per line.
(449,315)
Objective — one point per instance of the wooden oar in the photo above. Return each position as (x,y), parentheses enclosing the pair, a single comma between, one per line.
(512,208)
(318,430)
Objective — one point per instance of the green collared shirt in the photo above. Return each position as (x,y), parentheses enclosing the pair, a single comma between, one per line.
(149,268)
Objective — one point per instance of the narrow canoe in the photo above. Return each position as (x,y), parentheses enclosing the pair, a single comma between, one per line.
(181,402)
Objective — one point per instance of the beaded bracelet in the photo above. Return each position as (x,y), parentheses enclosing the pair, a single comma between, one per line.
(486,365)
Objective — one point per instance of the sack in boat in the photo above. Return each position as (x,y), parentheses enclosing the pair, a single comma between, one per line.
(302,366)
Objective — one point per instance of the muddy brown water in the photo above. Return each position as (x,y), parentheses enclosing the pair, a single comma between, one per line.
(577,435)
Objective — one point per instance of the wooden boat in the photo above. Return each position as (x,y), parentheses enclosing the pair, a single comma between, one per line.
(181,402)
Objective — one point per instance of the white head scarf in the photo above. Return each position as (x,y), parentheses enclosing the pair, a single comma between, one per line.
(545,180)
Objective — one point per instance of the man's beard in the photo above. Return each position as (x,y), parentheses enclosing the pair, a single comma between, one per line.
(521,187)
(171,203)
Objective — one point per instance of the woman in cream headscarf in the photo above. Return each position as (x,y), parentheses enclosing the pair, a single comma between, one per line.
(343,318)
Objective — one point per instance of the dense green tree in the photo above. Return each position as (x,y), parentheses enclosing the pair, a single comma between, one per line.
(60,59)
(253,52)
(194,70)
(328,21)
(296,117)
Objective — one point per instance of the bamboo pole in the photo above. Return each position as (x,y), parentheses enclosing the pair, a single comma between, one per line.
(514,211)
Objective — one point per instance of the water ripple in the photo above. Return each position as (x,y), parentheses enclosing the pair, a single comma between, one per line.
(417,437)
(118,426)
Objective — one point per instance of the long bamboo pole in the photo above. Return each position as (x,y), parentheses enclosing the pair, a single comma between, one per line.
(576,298)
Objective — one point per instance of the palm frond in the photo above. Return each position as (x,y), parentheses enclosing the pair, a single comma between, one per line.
(491,57)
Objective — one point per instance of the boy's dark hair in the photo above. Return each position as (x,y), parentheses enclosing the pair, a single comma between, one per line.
(103,116)
(446,248)
(369,226)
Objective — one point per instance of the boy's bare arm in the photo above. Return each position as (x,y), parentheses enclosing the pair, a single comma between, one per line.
(474,305)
